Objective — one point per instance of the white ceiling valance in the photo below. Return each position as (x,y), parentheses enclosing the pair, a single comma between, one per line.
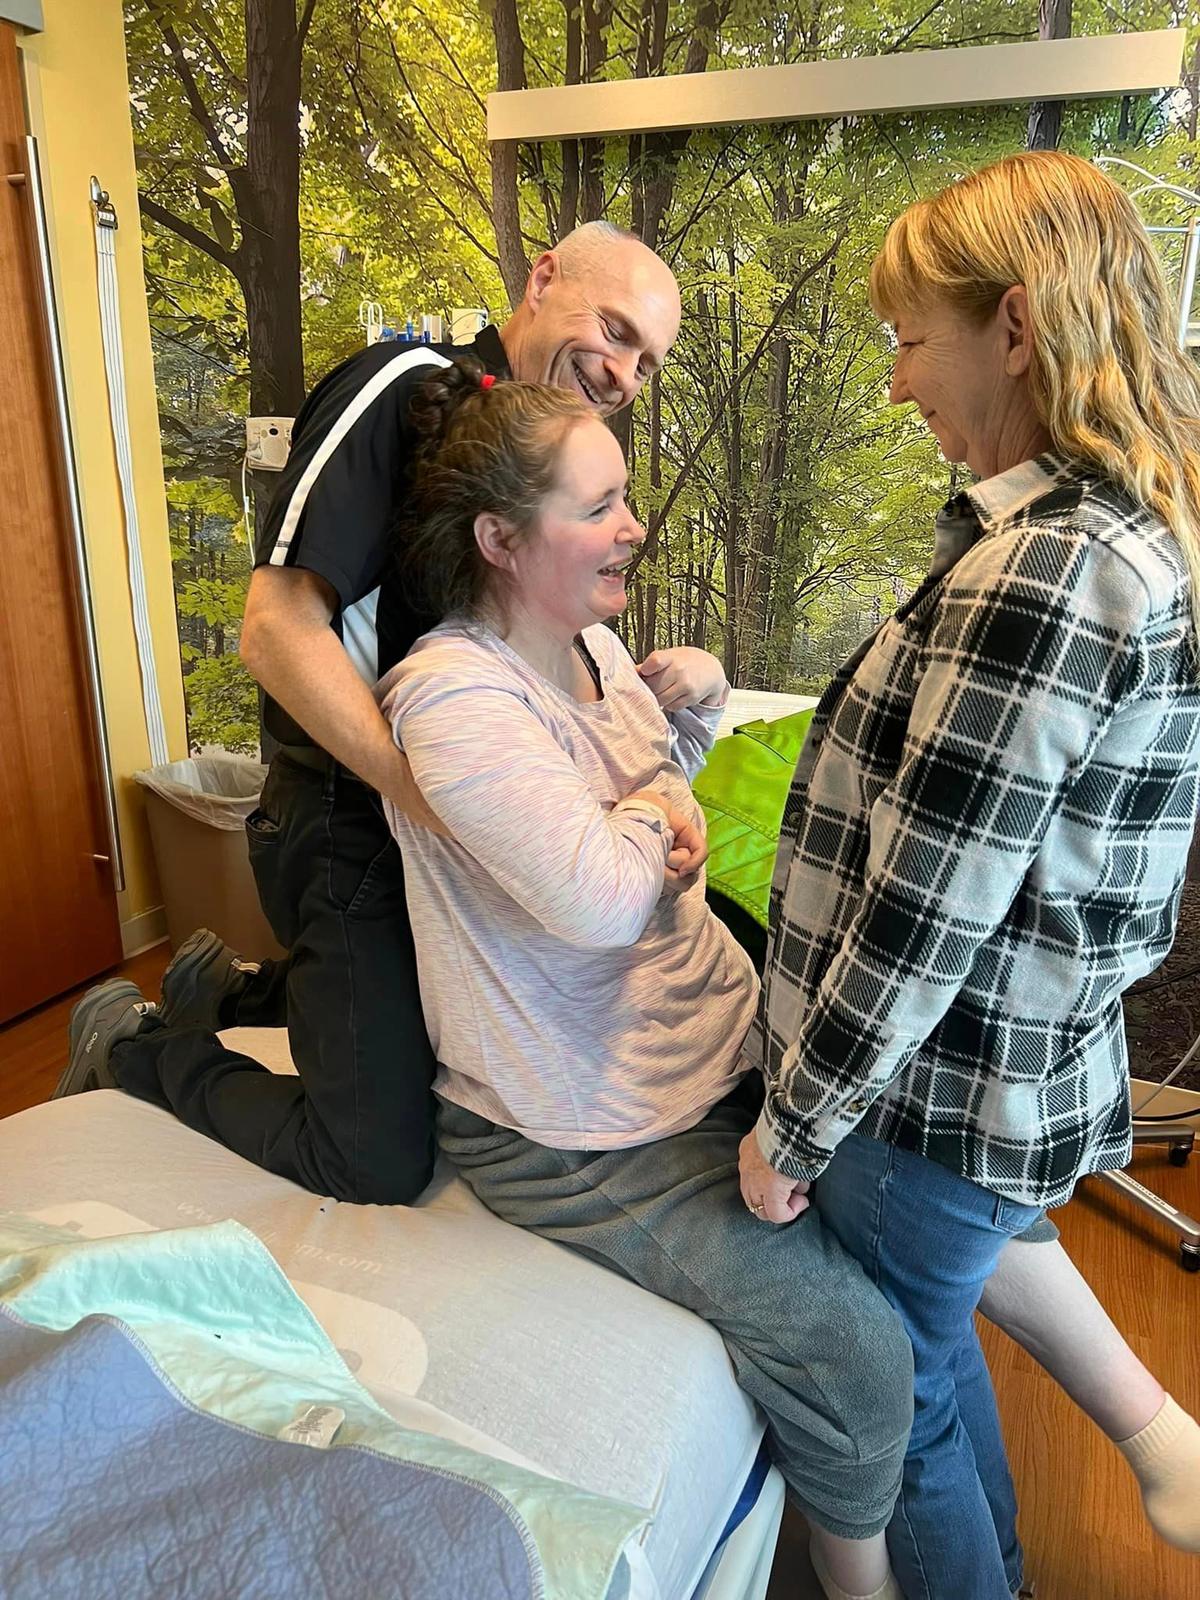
(976,75)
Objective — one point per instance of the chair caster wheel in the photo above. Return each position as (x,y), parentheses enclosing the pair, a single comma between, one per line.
(1189,1257)
(1178,1154)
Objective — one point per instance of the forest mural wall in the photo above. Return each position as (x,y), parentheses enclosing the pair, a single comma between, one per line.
(297,157)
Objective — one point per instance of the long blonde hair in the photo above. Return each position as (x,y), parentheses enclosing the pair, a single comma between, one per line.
(1107,377)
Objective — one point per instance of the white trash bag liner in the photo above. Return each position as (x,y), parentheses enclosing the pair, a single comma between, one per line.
(219,790)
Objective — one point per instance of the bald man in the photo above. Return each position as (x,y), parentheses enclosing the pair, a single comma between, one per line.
(324,620)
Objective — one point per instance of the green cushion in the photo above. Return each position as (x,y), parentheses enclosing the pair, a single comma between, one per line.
(742,789)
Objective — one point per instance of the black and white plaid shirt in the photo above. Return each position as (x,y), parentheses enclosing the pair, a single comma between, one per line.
(985,843)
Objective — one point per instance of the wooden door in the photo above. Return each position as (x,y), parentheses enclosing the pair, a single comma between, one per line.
(58,907)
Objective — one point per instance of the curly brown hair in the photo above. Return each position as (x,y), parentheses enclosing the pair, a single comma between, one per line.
(478,449)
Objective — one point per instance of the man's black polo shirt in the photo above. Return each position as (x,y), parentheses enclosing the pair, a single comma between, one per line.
(337,500)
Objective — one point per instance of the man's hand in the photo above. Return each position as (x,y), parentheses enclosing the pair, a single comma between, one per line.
(406,796)
(684,677)
(771,1196)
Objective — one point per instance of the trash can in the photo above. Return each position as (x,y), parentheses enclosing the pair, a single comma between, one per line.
(197,811)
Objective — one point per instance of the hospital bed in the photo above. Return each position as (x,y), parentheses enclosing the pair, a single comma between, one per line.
(457,1323)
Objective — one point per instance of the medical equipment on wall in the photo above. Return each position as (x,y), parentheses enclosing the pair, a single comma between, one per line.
(268,443)
(425,327)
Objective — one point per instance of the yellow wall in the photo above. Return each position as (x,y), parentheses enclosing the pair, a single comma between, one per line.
(78,91)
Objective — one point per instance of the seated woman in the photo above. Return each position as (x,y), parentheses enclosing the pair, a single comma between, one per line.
(586,1007)
(549,923)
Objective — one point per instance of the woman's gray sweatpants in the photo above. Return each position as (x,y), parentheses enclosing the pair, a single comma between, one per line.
(810,1338)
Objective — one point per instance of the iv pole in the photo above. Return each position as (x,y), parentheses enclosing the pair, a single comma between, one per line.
(1191,250)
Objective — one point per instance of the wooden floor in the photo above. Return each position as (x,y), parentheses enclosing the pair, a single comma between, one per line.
(33,1049)
(1081,1522)
(1081,1518)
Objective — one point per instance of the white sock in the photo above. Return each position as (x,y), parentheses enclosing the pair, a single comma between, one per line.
(889,1589)
(1165,1457)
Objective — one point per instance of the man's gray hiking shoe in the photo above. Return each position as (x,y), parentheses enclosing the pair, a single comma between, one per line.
(106,1015)
(203,973)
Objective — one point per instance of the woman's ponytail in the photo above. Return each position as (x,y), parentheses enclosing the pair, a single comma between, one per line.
(481,444)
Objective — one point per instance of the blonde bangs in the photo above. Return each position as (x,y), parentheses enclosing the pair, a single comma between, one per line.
(936,251)
(895,284)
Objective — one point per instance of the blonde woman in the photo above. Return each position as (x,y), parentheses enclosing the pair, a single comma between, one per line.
(987,833)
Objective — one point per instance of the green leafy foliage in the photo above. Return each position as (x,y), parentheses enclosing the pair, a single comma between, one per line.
(789,505)
(222,704)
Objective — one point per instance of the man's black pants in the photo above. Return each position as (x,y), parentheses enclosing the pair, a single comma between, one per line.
(358,1123)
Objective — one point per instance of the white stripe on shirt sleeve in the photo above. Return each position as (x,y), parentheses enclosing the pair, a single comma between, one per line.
(361,402)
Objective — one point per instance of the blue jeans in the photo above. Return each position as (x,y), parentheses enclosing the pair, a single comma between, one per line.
(930,1239)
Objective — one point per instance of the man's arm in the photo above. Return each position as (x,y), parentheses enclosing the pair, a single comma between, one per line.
(290,649)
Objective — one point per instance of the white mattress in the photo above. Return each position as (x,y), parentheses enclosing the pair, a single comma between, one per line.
(752,705)
(454,1320)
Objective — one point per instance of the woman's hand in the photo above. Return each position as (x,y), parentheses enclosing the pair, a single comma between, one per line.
(684,677)
(771,1196)
(688,854)
(689,851)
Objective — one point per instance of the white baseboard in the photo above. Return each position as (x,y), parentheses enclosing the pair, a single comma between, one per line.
(1166,1104)
(146,929)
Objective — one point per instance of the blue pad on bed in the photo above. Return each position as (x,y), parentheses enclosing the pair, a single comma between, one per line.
(112,1484)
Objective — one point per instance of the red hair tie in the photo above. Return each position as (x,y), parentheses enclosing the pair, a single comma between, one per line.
(487,380)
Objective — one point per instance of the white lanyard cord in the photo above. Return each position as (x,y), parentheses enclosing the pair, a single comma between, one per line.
(114,367)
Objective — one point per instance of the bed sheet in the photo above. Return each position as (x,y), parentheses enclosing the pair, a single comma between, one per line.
(454,1320)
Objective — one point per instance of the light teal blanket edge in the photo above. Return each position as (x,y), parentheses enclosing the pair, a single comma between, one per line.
(220,1318)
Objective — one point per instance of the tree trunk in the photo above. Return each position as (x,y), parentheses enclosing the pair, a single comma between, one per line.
(267,194)
(773,463)
(1045,116)
(597,14)
(649,639)
(733,523)
(568,207)
(761,586)
(661,538)
(658,161)
(506,212)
